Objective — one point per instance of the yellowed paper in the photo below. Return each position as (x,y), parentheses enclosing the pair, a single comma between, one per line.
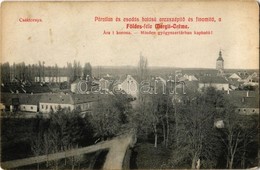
(50,45)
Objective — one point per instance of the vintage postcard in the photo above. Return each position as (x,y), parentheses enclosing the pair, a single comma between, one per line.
(129,85)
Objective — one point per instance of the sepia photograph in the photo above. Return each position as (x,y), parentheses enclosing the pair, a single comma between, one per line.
(129,85)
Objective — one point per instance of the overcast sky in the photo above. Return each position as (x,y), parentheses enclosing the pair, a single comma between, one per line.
(68,32)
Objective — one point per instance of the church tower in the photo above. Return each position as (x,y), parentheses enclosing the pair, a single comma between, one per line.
(220,64)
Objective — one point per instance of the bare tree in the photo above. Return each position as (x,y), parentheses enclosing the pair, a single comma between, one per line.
(197,135)
(105,118)
(239,131)
(142,67)
(37,146)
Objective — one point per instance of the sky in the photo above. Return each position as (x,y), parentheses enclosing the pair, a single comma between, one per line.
(69,32)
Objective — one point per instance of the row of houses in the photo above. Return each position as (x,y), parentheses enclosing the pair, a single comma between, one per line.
(245,101)
(127,84)
(49,102)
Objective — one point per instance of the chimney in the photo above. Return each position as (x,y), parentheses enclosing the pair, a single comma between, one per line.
(247,94)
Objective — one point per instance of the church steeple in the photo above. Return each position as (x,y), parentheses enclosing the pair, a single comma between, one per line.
(220,64)
(220,56)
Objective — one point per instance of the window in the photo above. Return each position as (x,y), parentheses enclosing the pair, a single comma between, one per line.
(42,106)
(253,110)
(46,107)
(32,108)
(24,107)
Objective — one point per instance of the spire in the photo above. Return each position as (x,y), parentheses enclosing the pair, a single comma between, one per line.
(220,56)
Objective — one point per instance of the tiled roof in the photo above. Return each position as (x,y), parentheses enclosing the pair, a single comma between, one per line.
(213,79)
(6,98)
(33,88)
(200,72)
(70,98)
(123,77)
(31,99)
(240,99)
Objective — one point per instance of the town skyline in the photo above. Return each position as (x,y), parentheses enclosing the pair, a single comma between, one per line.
(212,64)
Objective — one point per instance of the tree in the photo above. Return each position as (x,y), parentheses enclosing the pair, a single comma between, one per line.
(198,143)
(36,147)
(239,131)
(148,118)
(197,135)
(87,70)
(151,114)
(142,67)
(64,130)
(5,72)
(105,118)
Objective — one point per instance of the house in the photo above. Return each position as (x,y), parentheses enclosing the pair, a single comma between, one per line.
(234,76)
(106,83)
(129,85)
(252,79)
(80,86)
(29,102)
(71,101)
(10,101)
(20,88)
(22,102)
(156,85)
(49,79)
(189,77)
(246,102)
(243,75)
(220,83)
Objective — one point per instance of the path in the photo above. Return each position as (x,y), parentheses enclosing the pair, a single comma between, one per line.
(114,160)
